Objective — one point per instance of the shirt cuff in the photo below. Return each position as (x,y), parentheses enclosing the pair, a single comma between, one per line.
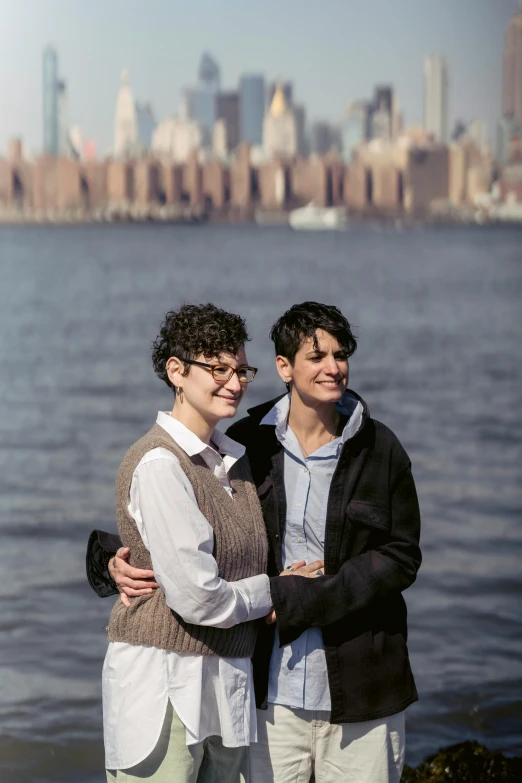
(256,590)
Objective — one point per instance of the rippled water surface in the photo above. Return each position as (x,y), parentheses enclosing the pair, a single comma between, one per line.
(438,314)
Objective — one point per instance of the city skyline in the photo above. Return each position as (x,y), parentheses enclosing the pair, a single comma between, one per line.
(159,76)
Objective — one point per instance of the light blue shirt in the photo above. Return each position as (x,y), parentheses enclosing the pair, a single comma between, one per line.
(298,675)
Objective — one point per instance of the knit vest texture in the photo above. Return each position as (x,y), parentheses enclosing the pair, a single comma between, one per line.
(240,550)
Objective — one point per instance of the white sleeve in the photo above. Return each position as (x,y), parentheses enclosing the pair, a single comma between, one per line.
(180,542)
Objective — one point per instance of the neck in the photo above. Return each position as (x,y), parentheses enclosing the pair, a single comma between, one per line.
(193,421)
(311,419)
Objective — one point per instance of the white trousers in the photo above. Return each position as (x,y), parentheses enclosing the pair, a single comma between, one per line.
(292,743)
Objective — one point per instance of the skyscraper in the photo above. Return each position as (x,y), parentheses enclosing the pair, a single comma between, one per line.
(478,132)
(209,73)
(251,108)
(324,137)
(436,98)
(146,125)
(512,93)
(227,109)
(355,127)
(64,147)
(51,121)
(384,98)
(381,124)
(300,121)
(288,92)
(280,128)
(125,121)
(199,103)
(508,129)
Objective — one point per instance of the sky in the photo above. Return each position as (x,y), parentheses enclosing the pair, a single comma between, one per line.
(335,52)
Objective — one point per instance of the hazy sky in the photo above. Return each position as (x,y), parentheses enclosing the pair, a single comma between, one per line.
(334,51)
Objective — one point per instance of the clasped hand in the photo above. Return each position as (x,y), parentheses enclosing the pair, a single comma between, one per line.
(311,571)
(138,581)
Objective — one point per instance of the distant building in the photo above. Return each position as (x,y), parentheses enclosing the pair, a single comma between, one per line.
(478,132)
(227,109)
(51,122)
(146,124)
(397,119)
(300,121)
(199,103)
(209,73)
(512,92)
(220,145)
(414,136)
(126,122)
(384,98)
(64,146)
(382,109)
(176,138)
(280,128)
(508,129)
(436,98)
(459,130)
(288,92)
(381,124)
(355,128)
(76,143)
(251,108)
(323,138)
(320,138)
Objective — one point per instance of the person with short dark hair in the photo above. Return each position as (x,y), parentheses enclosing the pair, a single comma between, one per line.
(331,668)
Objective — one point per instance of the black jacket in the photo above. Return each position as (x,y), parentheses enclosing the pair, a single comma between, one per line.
(371,555)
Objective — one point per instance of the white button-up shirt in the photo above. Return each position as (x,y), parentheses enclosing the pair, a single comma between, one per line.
(211,695)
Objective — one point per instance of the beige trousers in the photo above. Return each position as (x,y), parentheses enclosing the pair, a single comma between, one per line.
(172,761)
(292,743)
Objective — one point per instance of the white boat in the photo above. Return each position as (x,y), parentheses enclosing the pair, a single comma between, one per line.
(314,218)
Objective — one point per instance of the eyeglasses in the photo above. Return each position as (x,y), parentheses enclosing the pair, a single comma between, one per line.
(224,372)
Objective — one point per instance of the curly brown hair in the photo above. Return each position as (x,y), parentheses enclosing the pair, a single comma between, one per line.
(194,330)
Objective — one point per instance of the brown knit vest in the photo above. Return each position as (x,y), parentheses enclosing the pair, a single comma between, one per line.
(240,549)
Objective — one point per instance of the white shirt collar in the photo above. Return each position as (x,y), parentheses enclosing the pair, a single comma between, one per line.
(191,444)
(348,405)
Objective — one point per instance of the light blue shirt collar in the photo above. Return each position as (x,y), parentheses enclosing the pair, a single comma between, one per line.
(348,405)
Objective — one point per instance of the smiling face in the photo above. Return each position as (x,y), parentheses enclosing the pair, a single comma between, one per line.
(319,373)
(202,397)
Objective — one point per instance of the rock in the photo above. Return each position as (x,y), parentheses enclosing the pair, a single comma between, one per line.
(467,762)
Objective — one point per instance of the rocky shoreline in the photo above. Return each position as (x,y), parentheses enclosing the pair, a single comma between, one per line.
(467,762)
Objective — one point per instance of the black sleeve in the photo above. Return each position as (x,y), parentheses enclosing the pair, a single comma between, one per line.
(302,603)
(100,548)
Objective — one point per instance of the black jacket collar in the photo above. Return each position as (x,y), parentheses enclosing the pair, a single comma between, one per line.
(258,412)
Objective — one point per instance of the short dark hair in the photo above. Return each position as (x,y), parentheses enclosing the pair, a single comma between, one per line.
(302,321)
(193,330)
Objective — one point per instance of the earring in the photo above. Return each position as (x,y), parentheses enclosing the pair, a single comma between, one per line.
(179,393)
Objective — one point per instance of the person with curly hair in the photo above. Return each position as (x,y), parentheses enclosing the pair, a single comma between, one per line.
(177,679)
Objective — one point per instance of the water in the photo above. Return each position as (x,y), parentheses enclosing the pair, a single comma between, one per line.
(438,313)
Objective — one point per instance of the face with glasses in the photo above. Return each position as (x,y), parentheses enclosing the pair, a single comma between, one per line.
(213,387)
